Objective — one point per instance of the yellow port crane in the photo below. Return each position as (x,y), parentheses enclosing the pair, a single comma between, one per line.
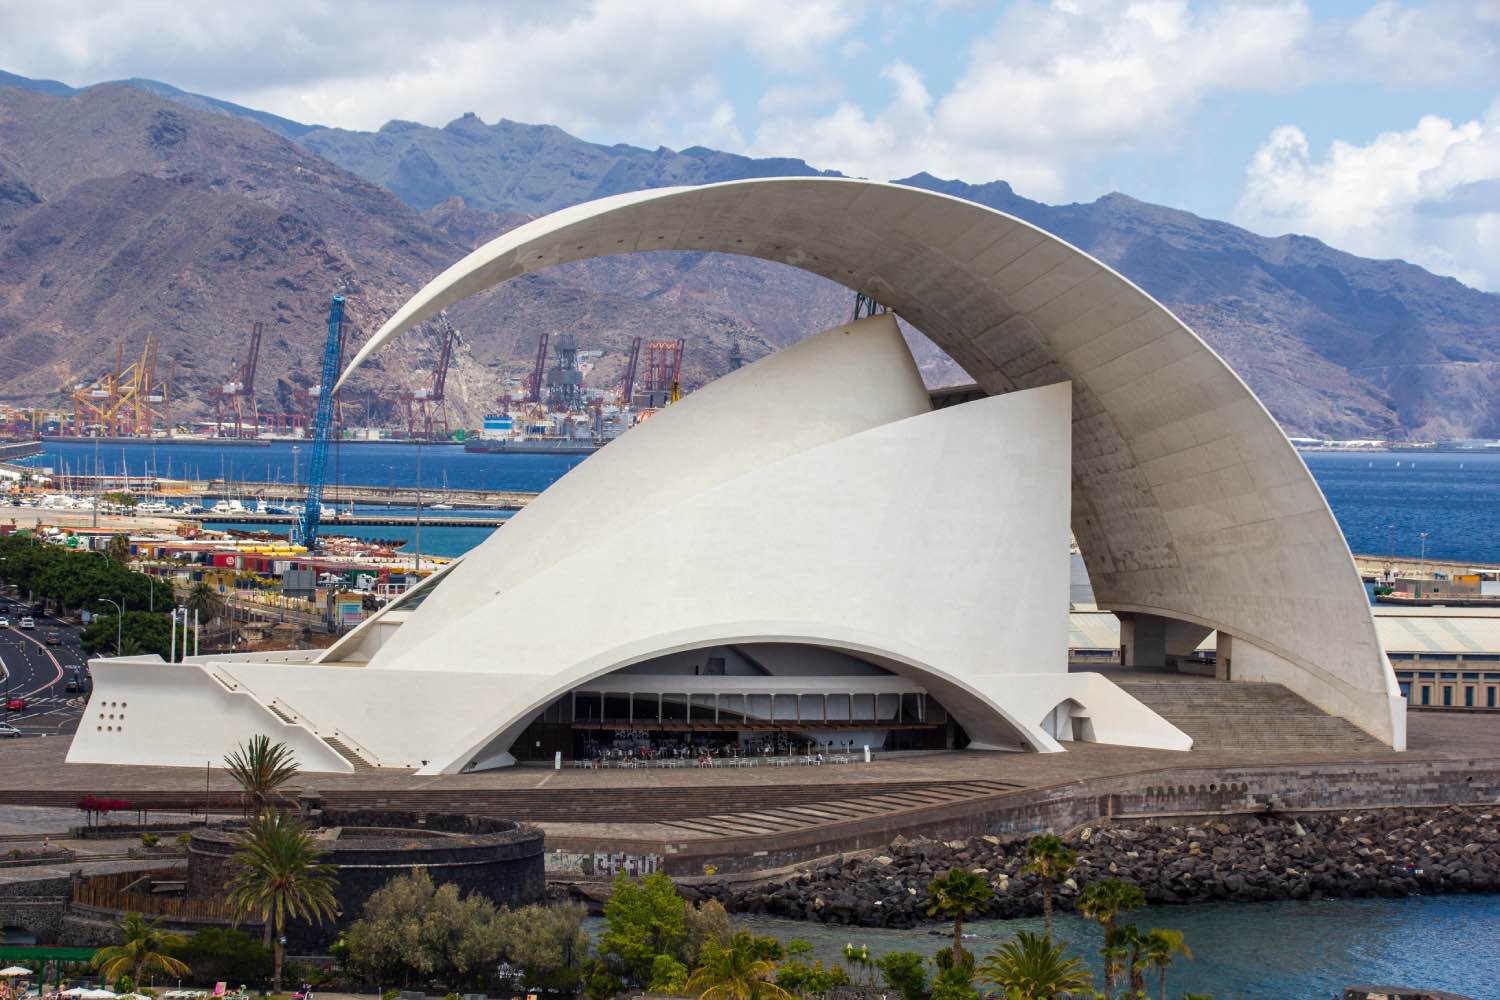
(123,401)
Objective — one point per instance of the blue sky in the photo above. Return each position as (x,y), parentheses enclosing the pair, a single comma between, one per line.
(1372,124)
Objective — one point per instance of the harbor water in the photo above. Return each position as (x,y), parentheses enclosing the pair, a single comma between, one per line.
(1253,951)
(1383,500)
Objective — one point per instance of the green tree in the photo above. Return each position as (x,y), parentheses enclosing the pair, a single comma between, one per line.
(1029,967)
(667,975)
(1049,859)
(205,602)
(1128,944)
(956,895)
(733,971)
(385,944)
(809,979)
(276,875)
(118,549)
(220,954)
(643,918)
(143,948)
(705,921)
(260,768)
(141,633)
(1162,945)
(599,983)
(547,943)
(1103,902)
(954,982)
(459,935)
(904,972)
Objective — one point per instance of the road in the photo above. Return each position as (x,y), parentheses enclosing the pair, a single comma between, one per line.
(39,673)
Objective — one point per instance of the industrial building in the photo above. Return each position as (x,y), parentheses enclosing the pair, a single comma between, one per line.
(878,566)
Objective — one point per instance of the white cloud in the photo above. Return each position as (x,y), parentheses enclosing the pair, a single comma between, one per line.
(1052,84)
(605,68)
(1429,194)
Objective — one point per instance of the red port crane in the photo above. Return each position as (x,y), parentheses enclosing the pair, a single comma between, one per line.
(534,384)
(627,387)
(238,394)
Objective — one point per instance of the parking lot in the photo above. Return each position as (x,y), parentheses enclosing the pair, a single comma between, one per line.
(39,673)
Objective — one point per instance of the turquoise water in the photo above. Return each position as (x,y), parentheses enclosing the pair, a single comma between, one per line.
(1257,951)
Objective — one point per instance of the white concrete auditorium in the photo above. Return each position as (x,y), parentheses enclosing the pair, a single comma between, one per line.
(770,568)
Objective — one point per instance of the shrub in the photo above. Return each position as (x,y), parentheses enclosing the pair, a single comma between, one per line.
(150,839)
(905,972)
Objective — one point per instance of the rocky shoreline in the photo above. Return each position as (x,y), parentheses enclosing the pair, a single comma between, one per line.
(1392,852)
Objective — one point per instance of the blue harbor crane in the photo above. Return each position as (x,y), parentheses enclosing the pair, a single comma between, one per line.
(305,531)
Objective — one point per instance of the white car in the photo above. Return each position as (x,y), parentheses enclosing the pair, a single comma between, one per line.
(28,622)
(6,729)
(4,622)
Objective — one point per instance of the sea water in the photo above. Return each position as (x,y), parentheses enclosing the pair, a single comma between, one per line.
(1252,951)
(1383,500)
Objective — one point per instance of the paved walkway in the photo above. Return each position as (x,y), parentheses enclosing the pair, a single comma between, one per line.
(33,765)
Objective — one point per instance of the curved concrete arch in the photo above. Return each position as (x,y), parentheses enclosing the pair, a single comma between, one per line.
(1188,501)
(989,721)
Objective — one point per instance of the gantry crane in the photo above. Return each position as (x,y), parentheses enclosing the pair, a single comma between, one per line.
(234,394)
(305,531)
(122,402)
(538,369)
(627,385)
(664,371)
(427,407)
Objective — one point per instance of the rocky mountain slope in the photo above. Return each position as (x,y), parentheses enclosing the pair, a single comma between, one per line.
(137,206)
(1335,344)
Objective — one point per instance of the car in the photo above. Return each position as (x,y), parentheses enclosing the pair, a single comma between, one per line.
(6,729)
(28,622)
(4,622)
(73,686)
(16,705)
(53,639)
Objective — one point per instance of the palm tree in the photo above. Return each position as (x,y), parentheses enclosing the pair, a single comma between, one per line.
(204,601)
(957,895)
(1161,945)
(1104,901)
(1049,859)
(1128,945)
(1028,967)
(261,767)
(731,971)
(143,949)
(276,875)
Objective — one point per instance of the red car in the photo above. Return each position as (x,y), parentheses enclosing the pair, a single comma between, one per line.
(16,705)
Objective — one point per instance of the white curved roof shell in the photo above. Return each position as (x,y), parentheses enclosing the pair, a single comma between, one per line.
(1188,501)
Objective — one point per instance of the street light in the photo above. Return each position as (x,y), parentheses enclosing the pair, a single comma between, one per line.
(119,622)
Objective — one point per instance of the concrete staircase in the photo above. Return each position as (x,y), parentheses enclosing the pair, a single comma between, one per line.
(1219,715)
(343,750)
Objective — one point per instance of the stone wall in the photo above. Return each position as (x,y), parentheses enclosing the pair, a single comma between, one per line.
(1174,791)
(498,859)
(36,905)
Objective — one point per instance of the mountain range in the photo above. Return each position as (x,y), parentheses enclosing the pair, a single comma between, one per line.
(135,207)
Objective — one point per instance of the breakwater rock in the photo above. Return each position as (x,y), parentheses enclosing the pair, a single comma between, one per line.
(1393,852)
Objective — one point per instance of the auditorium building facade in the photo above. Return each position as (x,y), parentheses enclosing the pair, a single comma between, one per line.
(815,553)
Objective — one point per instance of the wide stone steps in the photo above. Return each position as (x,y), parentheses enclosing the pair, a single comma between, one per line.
(1219,715)
(786,819)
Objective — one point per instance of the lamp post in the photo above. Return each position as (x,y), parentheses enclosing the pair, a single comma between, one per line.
(119,622)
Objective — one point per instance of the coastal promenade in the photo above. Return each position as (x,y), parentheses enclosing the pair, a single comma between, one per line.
(760,818)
